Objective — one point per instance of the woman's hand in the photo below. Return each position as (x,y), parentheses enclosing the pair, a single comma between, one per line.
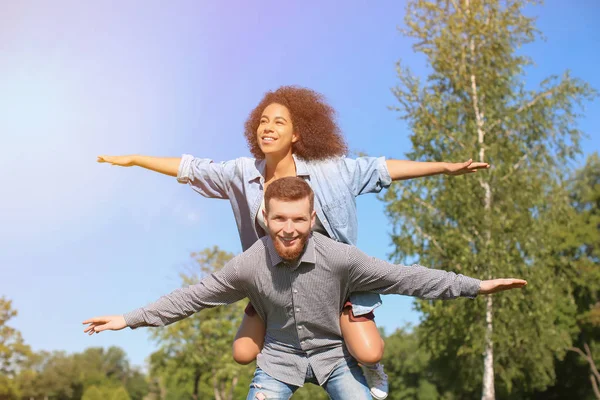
(121,161)
(467,167)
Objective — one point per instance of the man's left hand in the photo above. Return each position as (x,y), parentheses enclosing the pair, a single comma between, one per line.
(499,285)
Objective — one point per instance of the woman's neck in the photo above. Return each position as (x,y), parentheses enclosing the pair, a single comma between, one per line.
(279,166)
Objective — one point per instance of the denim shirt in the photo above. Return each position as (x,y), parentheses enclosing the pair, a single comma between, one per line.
(335,181)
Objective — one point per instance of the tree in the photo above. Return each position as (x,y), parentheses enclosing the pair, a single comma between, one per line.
(13,351)
(310,392)
(49,376)
(196,351)
(105,393)
(474,103)
(137,385)
(411,376)
(120,393)
(59,376)
(579,240)
(93,393)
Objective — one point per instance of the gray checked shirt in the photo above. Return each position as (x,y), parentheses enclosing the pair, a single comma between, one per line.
(301,302)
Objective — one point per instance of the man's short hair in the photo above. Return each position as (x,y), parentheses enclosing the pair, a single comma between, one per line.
(290,188)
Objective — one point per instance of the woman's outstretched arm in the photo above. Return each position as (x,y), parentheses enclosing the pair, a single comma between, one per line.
(405,169)
(164,165)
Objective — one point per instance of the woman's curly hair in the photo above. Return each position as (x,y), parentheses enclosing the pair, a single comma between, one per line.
(313,119)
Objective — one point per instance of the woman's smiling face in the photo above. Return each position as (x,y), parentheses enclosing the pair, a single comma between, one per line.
(275,133)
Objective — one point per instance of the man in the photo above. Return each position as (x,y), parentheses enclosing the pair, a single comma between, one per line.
(298,283)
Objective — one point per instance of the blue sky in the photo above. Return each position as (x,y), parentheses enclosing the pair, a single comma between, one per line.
(79,79)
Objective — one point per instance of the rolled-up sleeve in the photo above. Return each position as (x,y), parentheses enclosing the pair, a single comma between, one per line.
(220,288)
(365,174)
(374,275)
(206,177)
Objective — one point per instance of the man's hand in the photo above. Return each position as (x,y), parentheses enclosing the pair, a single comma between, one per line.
(108,323)
(121,161)
(499,285)
(467,167)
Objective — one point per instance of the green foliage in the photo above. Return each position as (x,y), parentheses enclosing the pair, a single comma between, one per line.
(105,393)
(411,376)
(579,247)
(60,376)
(310,392)
(120,393)
(474,104)
(93,393)
(194,358)
(137,385)
(13,351)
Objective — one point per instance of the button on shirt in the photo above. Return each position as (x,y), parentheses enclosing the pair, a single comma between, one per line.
(301,302)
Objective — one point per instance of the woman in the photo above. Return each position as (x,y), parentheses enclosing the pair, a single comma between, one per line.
(292,132)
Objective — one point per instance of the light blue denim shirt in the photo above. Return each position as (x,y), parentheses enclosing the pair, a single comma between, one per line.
(336,182)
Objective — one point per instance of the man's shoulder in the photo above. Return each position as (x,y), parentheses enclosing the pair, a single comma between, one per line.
(329,246)
(254,255)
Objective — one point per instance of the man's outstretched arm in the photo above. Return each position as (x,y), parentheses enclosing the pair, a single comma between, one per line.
(371,274)
(220,288)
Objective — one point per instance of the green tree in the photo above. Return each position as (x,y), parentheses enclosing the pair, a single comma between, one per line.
(61,376)
(120,393)
(93,393)
(586,199)
(137,385)
(409,368)
(13,351)
(475,103)
(310,392)
(579,246)
(194,358)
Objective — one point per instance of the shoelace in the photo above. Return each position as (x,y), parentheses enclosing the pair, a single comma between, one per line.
(378,376)
(379,379)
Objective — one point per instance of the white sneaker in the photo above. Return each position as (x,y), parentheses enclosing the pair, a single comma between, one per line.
(377,380)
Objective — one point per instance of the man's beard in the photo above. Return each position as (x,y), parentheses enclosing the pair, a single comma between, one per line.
(290,253)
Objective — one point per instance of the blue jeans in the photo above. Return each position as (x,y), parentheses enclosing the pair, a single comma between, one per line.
(346,382)
(364,302)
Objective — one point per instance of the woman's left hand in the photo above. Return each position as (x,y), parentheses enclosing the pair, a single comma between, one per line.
(467,167)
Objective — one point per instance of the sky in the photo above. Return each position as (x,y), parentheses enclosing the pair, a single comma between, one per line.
(79,79)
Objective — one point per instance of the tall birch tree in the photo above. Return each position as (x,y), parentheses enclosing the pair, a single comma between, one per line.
(475,103)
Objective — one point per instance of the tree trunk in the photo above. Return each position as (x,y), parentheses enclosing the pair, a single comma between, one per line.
(488,358)
(234,382)
(216,390)
(196,384)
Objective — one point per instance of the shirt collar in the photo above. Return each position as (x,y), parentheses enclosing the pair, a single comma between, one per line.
(261,166)
(259,170)
(308,256)
(301,167)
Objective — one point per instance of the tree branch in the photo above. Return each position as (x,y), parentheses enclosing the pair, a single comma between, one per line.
(429,238)
(595,386)
(439,126)
(526,106)
(422,202)
(591,361)
(594,374)
(518,164)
